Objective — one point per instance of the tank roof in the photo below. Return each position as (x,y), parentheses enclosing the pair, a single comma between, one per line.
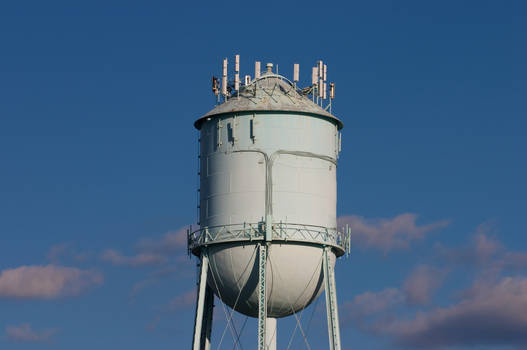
(270,92)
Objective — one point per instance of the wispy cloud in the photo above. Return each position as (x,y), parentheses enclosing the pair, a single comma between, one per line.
(182,301)
(142,259)
(155,277)
(23,333)
(150,251)
(417,289)
(65,251)
(421,283)
(387,234)
(491,313)
(513,261)
(371,303)
(174,305)
(166,253)
(46,282)
(483,251)
(170,243)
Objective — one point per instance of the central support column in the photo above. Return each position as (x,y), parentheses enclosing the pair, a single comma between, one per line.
(262,297)
(270,333)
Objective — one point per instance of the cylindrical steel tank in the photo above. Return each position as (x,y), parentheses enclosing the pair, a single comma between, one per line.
(268,156)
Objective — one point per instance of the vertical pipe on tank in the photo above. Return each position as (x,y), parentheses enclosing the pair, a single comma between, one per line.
(268,228)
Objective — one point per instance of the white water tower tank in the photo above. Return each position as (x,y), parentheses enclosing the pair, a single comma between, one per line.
(268,167)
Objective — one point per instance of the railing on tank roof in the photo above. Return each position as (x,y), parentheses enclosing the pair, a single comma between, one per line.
(283,232)
(253,86)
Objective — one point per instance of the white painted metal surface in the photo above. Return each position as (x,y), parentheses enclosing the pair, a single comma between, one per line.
(244,156)
(234,277)
(267,209)
(270,335)
(233,183)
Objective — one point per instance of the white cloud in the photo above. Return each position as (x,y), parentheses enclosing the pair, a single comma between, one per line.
(170,243)
(421,283)
(141,259)
(387,233)
(490,313)
(151,251)
(370,303)
(483,251)
(46,281)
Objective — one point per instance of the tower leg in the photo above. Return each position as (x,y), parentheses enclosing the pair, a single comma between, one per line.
(207,319)
(270,333)
(198,341)
(262,302)
(331,301)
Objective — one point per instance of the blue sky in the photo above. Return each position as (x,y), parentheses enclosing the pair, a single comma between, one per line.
(98,166)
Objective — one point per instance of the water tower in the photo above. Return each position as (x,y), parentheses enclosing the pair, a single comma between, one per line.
(268,236)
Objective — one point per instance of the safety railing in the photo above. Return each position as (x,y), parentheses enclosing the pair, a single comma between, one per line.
(313,234)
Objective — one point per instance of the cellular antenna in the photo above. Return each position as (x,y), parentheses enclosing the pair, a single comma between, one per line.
(331,90)
(314,75)
(325,72)
(257,69)
(296,72)
(224,78)
(237,72)
(237,63)
(225,63)
(215,90)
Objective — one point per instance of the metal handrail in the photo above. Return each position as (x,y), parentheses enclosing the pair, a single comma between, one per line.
(314,234)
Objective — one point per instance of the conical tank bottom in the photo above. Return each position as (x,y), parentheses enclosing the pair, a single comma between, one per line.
(294,277)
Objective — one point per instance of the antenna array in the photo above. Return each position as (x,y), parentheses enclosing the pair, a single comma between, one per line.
(318,88)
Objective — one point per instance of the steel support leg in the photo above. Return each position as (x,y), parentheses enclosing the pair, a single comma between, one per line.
(200,305)
(207,319)
(262,302)
(331,301)
(270,333)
